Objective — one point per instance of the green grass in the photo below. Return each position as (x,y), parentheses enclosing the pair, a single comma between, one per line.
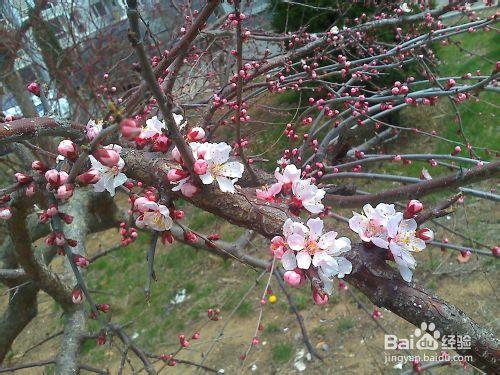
(344,325)
(480,118)
(282,352)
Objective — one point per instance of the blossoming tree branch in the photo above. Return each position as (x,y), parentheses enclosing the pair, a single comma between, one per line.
(184,134)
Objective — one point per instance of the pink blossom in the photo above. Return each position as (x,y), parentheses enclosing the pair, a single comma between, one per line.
(371,226)
(269,193)
(277,247)
(157,217)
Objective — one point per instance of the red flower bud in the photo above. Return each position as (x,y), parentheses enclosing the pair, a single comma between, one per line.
(22,178)
(412,208)
(34,88)
(89,177)
(109,158)
(129,129)
(68,149)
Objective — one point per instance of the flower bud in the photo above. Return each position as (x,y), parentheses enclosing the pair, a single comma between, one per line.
(129,129)
(80,261)
(103,307)
(178,214)
(160,143)
(68,149)
(77,296)
(39,166)
(176,154)
(412,208)
(200,167)
(190,237)
(89,177)
(30,190)
(64,192)
(166,237)
(56,178)
(175,175)
(292,278)
(425,234)
(196,134)
(107,157)
(320,298)
(22,178)
(68,219)
(101,339)
(34,88)
(52,210)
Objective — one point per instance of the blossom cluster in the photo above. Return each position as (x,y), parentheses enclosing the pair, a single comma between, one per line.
(211,164)
(302,193)
(398,232)
(306,252)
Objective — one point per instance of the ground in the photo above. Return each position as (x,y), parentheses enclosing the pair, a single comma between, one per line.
(347,336)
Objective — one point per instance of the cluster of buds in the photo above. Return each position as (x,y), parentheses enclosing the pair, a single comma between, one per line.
(52,211)
(127,235)
(376,314)
(169,359)
(183,341)
(56,183)
(213,314)
(233,19)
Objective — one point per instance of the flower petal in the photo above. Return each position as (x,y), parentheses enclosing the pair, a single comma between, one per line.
(345,267)
(315,227)
(232,169)
(296,241)
(226,185)
(327,240)
(303,260)
(288,260)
